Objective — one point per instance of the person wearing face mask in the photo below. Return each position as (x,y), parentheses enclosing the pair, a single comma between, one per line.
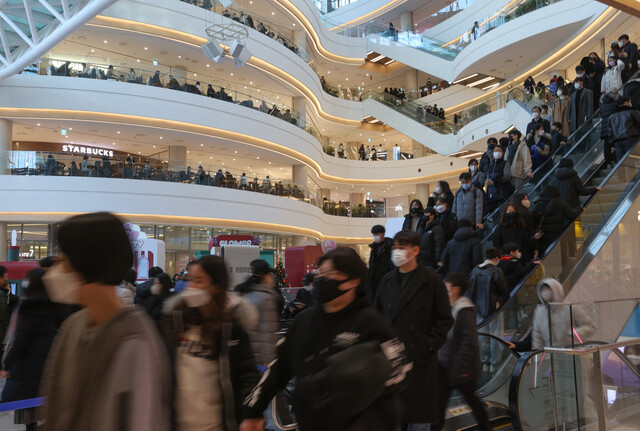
(442,190)
(580,106)
(498,181)
(558,140)
(519,157)
(545,114)
(477,177)
(613,74)
(629,56)
(446,218)
(105,353)
(540,147)
(551,215)
(489,292)
(468,202)
(463,252)
(339,349)
(560,107)
(624,125)
(588,82)
(412,296)
(142,289)
(205,329)
(433,241)
(158,293)
(379,258)
(522,203)
(487,156)
(569,325)
(513,229)
(570,185)
(512,265)
(459,357)
(536,114)
(608,105)
(414,220)
(303,299)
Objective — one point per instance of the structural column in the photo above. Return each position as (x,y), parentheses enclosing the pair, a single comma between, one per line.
(6,127)
(300,176)
(177,158)
(300,38)
(411,90)
(3,241)
(406,21)
(356,199)
(422,193)
(300,110)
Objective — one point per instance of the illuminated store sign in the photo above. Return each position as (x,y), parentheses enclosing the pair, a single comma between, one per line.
(75,149)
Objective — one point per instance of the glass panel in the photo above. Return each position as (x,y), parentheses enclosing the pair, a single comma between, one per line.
(535,406)
(621,381)
(200,239)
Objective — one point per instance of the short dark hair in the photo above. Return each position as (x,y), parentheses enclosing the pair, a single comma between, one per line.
(557,125)
(155,271)
(516,132)
(378,229)
(47,262)
(579,68)
(431,211)
(460,280)
(492,140)
(3,271)
(465,222)
(441,199)
(131,276)
(538,127)
(35,288)
(510,247)
(472,161)
(346,261)
(536,107)
(407,237)
(106,264)
(624,36)
(465,176)
(492,253)
(544,106)
(579,79)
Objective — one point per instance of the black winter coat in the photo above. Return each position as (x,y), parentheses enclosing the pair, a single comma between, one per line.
(488,288)
(557,215)
(460,354)
(513,270)
(36,327)
(463,252)
(606,109)
(571,186)
(432,245)
(514,233)
(421,316)
(406,225)
(379,264)
(449,223)
(500,173)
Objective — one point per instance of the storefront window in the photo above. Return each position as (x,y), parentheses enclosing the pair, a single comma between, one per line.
(176,238)
(200,238)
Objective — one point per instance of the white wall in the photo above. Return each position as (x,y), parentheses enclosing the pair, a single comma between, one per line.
(463,21)
(144,103)
(51,199)
(452,96)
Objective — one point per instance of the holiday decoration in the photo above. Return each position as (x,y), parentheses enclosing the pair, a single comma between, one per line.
(281,276)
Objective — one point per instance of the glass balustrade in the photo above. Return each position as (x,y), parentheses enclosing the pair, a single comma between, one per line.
(135,167)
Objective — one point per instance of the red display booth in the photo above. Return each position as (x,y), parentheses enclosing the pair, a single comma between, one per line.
(299,261)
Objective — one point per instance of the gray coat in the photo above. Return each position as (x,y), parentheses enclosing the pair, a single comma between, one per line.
(468,204)
(585,109)
(263,338)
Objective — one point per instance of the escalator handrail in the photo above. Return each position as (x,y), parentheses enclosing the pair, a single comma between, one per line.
(551,161)
(556,241)
(514,387)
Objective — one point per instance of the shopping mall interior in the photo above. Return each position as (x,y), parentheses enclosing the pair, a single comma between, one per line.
(301,124)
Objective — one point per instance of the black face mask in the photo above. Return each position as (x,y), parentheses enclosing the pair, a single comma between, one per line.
(415,211)
(326,289)
(512,216)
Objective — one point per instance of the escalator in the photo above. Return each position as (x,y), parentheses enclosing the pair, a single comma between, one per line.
(440,134)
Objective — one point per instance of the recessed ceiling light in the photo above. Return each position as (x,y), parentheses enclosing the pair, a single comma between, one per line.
(195,74)
(208,65)
(231,74)
(38,124)
(105,41)
(202,145)
(138,60)
(273,13)
(179,56)
(113,143)
(294,24)
(118,132)
(139,152)
(93,50)
(70,128)
(250,82)
(236,152)
(145,48)
(160,137)
(154,146)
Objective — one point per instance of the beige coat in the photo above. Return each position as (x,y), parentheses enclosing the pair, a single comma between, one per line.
(521,165)
(559,113)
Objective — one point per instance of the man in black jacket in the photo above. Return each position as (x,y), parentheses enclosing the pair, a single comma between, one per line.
(459,358)
(414,299)
(629,57)
(570,185)
(432,242)
(624,125)
(8,302)
(446,218)
(379,258)
(331,393)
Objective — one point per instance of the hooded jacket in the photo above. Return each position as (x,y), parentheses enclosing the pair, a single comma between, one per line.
(463,252)
(460,354)
(570,185)
(521,166)
(263,338)
(432,244)
(488,289)
(563,332)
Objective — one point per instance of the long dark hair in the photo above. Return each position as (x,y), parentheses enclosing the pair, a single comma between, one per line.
(444,188)
(36,288)
(504,221)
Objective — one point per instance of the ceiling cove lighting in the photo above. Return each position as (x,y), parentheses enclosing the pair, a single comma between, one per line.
(482,81)
(465,78)
(378,58)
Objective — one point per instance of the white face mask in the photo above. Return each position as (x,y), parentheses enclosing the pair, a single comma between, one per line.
(579,75)
(440,209)
(526,203)
(576,86)
(518,255)
(156,289)
(61,286)
(377,239)
(196,297)
(541,132)
(473,168)
(612,63)
(536,115)
(438,190)
(497,155)
(559,93)
(399,257)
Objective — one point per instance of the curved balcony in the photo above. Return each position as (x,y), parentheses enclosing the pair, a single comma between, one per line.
(107,101)
(51,199)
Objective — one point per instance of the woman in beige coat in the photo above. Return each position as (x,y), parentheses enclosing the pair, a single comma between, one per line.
(560,108)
